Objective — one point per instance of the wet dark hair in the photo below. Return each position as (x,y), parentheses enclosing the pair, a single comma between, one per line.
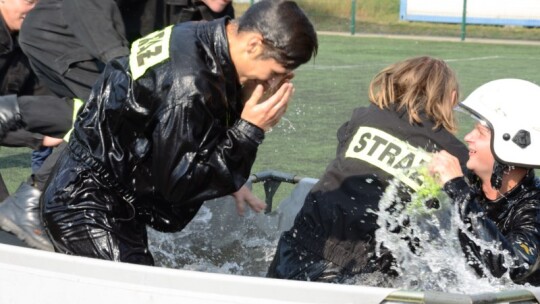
(288,35)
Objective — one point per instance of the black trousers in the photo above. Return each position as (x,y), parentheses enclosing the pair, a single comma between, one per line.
(40,178)
(84,216)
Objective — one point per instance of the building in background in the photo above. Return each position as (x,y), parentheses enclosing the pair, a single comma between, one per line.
(488,12)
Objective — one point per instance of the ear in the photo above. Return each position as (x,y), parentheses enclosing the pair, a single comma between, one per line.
(454,97)
(254,46)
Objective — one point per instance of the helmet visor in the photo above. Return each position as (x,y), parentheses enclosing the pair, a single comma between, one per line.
(463,109)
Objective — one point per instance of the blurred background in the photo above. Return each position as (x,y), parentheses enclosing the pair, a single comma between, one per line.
(494,19)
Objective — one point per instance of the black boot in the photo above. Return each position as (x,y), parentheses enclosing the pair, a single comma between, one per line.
(20,215)
(10,116)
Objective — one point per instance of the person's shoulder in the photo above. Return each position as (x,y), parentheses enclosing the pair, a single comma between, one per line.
(367,111)
(190,39)
(453,145)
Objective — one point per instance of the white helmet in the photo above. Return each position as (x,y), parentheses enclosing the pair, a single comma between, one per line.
(511,108)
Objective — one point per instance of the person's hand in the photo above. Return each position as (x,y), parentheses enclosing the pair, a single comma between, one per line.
(267,113)
(444,167)
(244,197)
(51,141)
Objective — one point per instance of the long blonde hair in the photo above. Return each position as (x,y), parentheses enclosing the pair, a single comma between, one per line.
(419,85)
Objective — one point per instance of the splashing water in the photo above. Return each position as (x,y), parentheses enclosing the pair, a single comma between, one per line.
(219,241)
(287,125)
(427,249)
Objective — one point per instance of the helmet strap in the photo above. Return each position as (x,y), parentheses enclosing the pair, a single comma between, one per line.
(499,169)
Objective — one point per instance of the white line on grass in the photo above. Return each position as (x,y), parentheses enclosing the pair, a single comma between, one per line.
(473,58)
(342,67)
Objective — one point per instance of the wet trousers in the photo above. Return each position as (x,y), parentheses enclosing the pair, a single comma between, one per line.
(294,262)
(84,216)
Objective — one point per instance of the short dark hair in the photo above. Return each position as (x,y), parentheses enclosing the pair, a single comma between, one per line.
(289,36)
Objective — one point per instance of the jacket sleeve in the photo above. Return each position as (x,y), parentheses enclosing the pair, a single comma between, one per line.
(47,115)
(199,158)
(516,249)
(99,27)
(23,138)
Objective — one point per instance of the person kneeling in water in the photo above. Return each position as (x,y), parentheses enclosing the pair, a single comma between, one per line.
(410,115)
(498,200)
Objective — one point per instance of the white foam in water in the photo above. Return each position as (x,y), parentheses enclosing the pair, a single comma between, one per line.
(217,240)
(220,241)
(440,264)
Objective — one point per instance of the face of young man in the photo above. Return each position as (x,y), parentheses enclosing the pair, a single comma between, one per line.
(267,71)
(256,68)
(14,12)
(252,65)
(481,159)
(217,6)
(270,74)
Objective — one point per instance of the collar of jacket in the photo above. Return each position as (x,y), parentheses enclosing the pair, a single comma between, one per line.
(6,40)
(499,207)
(527,184)
(403,114)
(217,39)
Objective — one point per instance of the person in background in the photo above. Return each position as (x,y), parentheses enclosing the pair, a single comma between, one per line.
(498,199)
(68,43)
(30,116)
(177,11)
(161,134)
(410,116)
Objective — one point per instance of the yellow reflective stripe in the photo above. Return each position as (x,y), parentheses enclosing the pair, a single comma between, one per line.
(390,154)
(77,104)
(149,51)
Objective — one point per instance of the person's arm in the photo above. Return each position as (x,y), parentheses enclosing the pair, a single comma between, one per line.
(37,116)
(47,115)
(98,25)
(521,241)
(23,138)
(195,162)
(200,159)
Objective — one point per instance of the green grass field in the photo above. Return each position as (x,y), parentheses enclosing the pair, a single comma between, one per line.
(382,17)
(330,87)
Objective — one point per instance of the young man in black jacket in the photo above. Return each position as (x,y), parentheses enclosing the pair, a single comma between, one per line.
(166,129)
(69,43)
(499,201)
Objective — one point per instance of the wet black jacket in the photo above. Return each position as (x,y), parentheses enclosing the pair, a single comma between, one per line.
(337,221)
(513,221)
(167,135)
